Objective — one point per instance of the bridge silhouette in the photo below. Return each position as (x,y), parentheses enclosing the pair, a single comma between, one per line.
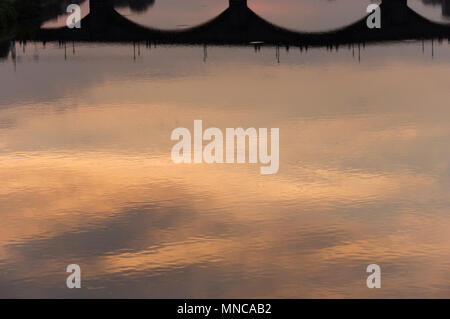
(239,25)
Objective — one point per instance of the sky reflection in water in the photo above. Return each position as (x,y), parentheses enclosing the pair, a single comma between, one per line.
(87,177)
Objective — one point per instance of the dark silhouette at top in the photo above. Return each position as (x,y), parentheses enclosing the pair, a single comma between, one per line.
(51,11)
(445,4)
(239,25)
(134,5)
(4,49)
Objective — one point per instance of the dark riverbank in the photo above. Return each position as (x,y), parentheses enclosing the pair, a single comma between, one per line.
(22,17)
(18,16)
(8,13)
(14,11)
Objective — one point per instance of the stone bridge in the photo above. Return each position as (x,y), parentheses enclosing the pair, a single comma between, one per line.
(239,25)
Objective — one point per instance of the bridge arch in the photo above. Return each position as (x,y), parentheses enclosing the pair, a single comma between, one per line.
(240,25)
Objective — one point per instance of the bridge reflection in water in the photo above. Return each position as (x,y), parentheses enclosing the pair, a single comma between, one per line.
(239,25)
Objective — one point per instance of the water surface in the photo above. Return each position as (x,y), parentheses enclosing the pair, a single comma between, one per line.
(87,176)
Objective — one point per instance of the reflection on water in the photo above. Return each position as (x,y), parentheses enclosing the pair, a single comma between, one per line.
(134,5)
(444,4)
(4,49)
(87,177)
(303,15)
(57,14)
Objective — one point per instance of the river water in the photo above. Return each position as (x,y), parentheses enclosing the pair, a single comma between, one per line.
(87,178)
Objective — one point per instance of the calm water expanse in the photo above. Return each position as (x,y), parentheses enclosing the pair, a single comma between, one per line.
(86,174)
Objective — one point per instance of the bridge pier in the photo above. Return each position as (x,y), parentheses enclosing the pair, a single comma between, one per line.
(238,3)
(394,12)
(446,8)
(238,12)
(98,7)
(100,12)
